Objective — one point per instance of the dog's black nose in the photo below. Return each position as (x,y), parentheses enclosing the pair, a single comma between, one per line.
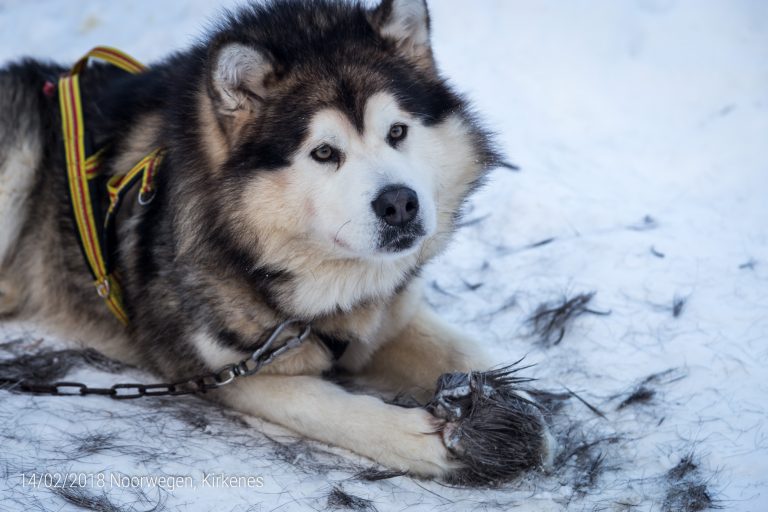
(397,206)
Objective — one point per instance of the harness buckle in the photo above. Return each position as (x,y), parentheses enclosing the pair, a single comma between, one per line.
(146,197)
(103,288)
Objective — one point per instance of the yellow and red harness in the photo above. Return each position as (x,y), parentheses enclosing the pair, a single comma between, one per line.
(87,185)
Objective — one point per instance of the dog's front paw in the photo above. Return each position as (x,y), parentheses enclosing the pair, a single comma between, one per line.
(491,426)
(418,448)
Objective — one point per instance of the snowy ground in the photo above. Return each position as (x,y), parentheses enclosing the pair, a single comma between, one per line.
(641,129)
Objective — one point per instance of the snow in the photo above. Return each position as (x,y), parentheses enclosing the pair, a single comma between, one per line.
(639,126)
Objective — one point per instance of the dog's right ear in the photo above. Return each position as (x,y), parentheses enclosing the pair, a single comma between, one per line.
(238,84)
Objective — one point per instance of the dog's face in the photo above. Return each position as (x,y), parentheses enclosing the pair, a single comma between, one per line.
(362,193)
(341,138)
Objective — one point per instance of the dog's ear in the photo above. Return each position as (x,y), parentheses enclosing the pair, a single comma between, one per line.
(238,83)
(406,22)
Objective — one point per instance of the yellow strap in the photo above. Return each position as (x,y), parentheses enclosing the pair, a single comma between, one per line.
(72,125)
(93,164)
(110,291)
(114,57)
(80,169)
(146,167)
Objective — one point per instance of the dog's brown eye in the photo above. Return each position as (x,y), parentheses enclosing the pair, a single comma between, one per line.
(325,153)
(396,134)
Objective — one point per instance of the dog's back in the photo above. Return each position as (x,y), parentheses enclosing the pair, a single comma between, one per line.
(21,156)
(41,267)
(20,149)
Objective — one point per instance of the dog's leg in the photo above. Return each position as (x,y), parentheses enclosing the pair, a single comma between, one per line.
(413,359)
(399,438)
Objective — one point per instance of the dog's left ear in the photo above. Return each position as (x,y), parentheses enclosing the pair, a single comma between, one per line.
(406,22)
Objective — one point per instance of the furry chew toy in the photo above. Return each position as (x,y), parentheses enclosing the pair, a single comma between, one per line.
(489,426)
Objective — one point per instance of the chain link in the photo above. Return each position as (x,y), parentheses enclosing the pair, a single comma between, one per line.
(261,357)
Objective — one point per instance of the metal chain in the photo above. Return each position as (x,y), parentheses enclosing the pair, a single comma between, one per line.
(261,357)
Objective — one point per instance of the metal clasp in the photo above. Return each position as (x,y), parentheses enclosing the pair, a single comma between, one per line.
(146,197)
(103,288)
(264,355)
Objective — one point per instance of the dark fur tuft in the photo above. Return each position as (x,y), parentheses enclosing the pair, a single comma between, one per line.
(338,499)
(497,433)
(551,319)
(687,491)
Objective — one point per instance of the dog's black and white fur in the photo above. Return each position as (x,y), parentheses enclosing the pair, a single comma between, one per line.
(316,159)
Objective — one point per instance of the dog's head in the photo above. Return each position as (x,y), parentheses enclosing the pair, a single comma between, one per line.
(334,133)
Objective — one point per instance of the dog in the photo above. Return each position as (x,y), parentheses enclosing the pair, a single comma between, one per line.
(314,161)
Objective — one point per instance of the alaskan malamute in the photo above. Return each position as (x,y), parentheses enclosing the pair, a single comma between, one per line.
(314,160)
